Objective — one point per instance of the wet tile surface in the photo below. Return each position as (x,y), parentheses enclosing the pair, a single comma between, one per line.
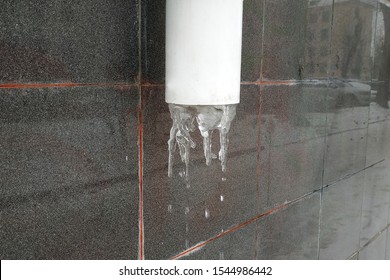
(285,39)
(388,245)
(88,41)
(345,154)
(252,40)
(238,245)
(352,35)
(69,173)
(340,218)
(291,233)
(317,39)
(177,217)
(292,144)
(375,250)
(376,201)
(378,142)
(153,40)
(381,66)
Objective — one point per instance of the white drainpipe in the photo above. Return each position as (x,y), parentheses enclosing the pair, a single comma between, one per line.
(203,51)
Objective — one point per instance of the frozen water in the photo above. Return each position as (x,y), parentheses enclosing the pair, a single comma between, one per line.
(208,119)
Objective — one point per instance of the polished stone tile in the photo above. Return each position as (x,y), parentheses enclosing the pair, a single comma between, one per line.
(381,66)
(292,143)
(237,245)
(378,142)
(317,44)
(376,250)
(295,170)
(345,154)
(69,174)
(388,245)
(153,40)
(252,40)
(296,39)
(376,201)
(177,216)
(293,113)
(291,233)
(89,41)
(352,36)
(340,218)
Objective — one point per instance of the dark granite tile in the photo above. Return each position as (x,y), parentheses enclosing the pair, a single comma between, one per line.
(177,217)
(378,142)
(252,40)
(78,41)
(317,39)
(237,245)
(380,94)
(345,154)
(376,250)
(69,173)
(291,233)
(292,143)
(376,201)
(388,245)
(352,36)
(285,40)
(153,40)
(348,106)
(340,218)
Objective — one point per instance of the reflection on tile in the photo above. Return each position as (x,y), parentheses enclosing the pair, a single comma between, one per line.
(291,233)
(381,65)
(352,36)
(252,39)
(376,250)
(388,245)
(378,142)
(293,114)
(318,30)
(153,40)
(68,173)
(340,218)
(376,201)
(177,217)
(284,39)
(295,170)
(345,154)
(238,245)
(292,142)
(87,41)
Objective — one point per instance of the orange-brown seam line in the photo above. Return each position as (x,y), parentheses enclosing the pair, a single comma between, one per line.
(258,170)
(147,84)
(141,218)
(200,245)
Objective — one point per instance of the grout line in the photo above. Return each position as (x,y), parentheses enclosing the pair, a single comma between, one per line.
(140,138)
(347,176)
(374,237)
(141,209)
(244,224)
(142,83)
(258,170)
(326,136)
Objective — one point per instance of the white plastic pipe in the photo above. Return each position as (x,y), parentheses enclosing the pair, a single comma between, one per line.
(203,51)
